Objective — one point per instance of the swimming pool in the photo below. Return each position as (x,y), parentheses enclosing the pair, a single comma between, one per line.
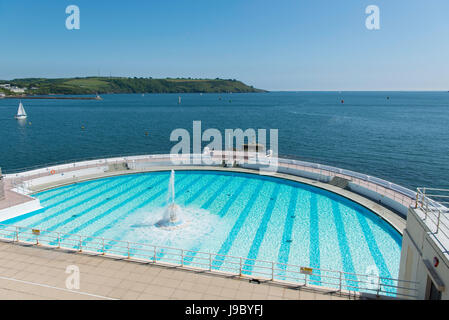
(229,213)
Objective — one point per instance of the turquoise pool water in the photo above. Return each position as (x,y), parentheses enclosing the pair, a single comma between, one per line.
(237,214)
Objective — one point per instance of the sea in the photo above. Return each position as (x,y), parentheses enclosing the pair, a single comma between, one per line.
(402,137)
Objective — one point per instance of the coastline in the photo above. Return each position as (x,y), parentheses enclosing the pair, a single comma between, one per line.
(78,97)
(59,97)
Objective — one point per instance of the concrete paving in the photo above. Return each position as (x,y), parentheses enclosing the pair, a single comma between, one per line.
(33,272)
(13,198)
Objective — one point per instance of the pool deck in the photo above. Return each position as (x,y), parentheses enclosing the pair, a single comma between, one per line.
(12,198)
(34,272)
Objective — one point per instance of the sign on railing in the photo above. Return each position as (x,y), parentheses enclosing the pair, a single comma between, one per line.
(305,270)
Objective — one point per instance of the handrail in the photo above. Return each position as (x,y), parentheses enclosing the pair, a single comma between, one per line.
(397,193)
(435,211)
(63,162)
(265,270)
(353,174)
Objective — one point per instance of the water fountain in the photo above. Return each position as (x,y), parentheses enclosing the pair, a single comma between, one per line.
(172,225)
(171,217)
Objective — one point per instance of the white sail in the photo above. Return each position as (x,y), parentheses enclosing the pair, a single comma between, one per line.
(21,114)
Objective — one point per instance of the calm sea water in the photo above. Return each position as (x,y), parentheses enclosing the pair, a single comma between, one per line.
(403,139)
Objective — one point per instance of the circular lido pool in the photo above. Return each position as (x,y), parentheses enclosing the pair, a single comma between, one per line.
(233,215)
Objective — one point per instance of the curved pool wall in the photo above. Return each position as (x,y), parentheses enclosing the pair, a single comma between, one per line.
(237,214)
(381,191)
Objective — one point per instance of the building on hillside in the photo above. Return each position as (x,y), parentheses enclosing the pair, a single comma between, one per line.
(17,89)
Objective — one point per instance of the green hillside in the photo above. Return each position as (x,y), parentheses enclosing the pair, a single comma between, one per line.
(93,85)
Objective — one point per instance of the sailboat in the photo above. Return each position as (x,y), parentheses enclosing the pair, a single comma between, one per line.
(21,114)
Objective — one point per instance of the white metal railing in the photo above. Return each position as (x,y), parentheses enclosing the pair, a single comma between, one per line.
(21,180)
(244,267)
(397,193)
(391,190)
(435,205)
(18,171)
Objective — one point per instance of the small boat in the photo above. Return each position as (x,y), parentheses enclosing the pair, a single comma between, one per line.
(21,114)
(98,97)
(179,100)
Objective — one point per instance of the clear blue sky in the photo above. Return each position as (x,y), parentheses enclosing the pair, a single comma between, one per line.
(275,45)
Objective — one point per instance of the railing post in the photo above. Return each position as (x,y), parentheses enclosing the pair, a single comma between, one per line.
(240,273)
(128,251)
(37,239)
(17,234)
(182,258)
(378,286)
(272,271)
(154,255)
(103,246)
(305,279)
(81,245)
(417,199)
(59,240)
(438,220)
(210,261)
(340,281)
(425,207)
